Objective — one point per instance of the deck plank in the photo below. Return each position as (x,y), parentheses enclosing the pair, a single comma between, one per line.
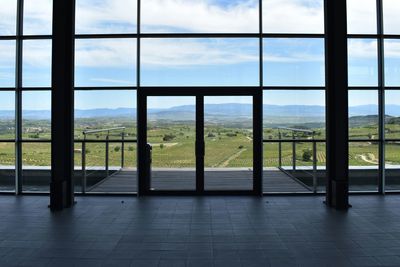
(125,181)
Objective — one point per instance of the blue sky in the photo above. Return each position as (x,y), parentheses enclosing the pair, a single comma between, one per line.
(220,62)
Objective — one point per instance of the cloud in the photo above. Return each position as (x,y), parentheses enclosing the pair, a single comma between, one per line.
(8,12)
(293,16)
(293,50)
(193,52)
(391,11)
(392,49)
(106,16)
(362,49)
(37,53)
(199,16)
(361,16)
(111,53)
(38,17)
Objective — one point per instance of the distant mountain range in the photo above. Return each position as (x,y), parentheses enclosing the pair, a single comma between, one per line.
(220,110)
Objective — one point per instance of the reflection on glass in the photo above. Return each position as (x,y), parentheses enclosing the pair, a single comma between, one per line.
(363,62)
(228,134)
(105,16)
(7,63)
(8,17)
(300,16)
(363,115)
(392,111)
(36,70)
(171,131)
(391,11)
(392,160)
(200,62)
(36,167)
(38,17)
(7,115)
(294,109)
(392,62)
(363,166)
(105,62)
(7,167)
(36,115)
(361,17)
(294,62)
(189,16)
(100,110)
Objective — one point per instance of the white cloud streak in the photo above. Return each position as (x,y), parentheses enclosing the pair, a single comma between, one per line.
(293,16)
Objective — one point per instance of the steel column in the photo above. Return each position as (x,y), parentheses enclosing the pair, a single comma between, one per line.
(62,106)
(337,166)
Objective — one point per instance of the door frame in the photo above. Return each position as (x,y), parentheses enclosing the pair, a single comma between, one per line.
(198,92)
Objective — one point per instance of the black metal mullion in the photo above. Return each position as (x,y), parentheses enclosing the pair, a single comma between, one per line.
(200,144)
(258,114)
(143,180)
(18,97)
(381,100)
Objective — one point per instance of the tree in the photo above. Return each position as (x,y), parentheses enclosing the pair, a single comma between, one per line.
(307,155)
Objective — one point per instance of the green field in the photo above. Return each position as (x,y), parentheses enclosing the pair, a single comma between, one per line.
(174,145)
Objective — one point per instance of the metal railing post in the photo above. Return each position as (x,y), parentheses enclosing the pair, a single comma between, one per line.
(315,166)
(84,177)
(280,150)
(294,152)
(122,150)
(107,153)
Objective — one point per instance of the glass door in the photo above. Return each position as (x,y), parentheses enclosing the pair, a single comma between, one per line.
(228,138)
(171,133)
(199,144)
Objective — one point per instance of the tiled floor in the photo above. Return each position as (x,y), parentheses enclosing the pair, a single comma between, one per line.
(200,231)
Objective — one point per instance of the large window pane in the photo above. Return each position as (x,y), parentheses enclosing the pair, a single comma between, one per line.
(363,62)
(36,115)
(392,160)
(294,109)
(293,115)
(391,11)
(7,167)
(205,16)
(363,115)
(36,167)
(7,63)
(105,62)
(392,62)
(392,111)
(361,16)
(7,115)
(105,16)
(171,130)
(300,16)
(36,63)
(38,17)
(8,17)
(100,110)
(363,166)
(228,128)
(294,62)
(202,62)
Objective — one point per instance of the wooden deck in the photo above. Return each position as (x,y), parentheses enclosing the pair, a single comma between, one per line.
(125,181)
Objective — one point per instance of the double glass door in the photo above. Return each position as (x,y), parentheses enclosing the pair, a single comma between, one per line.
(200,143)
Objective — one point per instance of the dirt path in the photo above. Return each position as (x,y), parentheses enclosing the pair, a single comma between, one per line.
(366,159)
(234,156)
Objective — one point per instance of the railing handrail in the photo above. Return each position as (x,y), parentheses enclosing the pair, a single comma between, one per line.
(103,130)
(107,160)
